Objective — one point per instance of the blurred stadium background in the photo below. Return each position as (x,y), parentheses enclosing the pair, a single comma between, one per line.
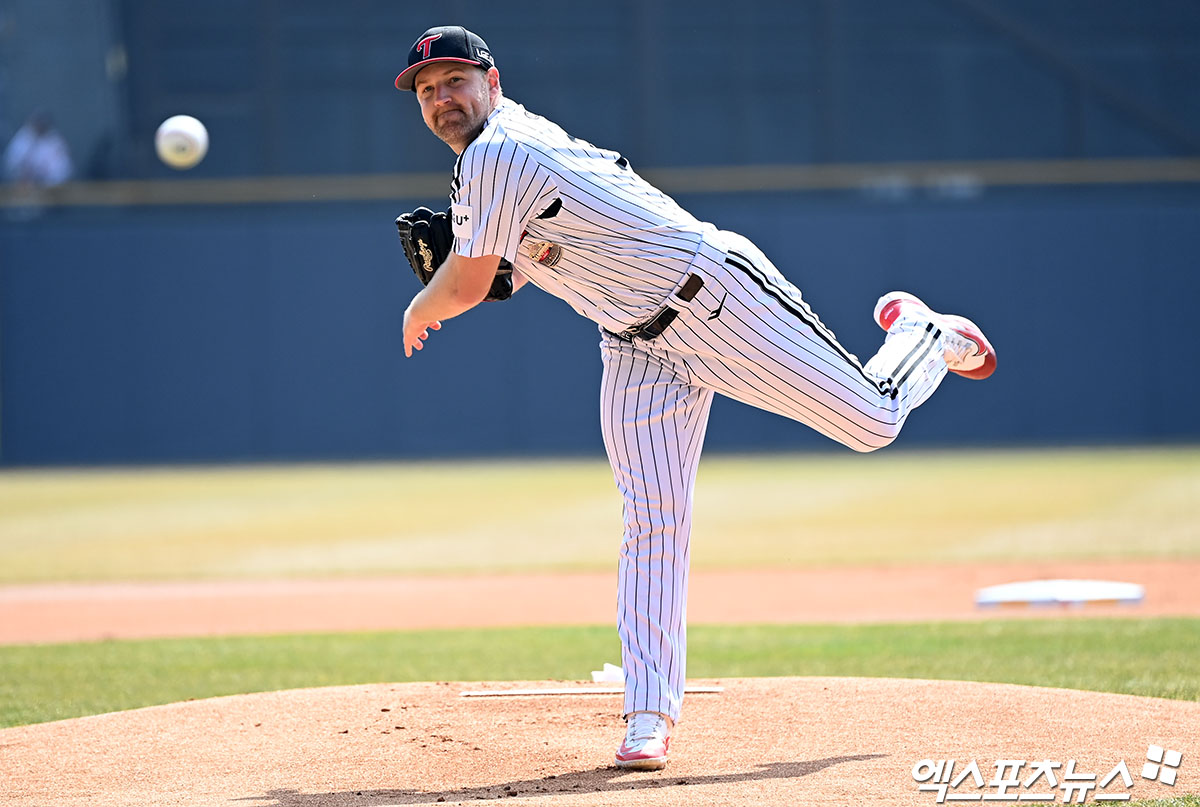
(1034,165)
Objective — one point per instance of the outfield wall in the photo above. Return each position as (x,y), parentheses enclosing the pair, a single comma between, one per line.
(272,331)
(137,328)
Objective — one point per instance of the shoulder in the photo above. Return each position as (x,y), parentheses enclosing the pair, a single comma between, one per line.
(512,123)
(510,138)
(528,128)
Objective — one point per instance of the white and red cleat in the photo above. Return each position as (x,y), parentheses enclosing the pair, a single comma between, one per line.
(966,350)
(646,742)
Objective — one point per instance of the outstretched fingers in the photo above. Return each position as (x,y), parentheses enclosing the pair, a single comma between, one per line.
(416,334)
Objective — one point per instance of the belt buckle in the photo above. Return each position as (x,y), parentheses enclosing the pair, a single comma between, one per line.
(656,326)
(658,323)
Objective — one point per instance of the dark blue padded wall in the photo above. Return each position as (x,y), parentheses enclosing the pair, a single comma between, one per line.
(306,86)
(272,332)
(222,333)
(132,334)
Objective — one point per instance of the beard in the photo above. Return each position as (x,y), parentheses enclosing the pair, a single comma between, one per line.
(458,126)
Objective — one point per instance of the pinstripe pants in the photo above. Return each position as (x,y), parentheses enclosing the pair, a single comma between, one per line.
(765,348)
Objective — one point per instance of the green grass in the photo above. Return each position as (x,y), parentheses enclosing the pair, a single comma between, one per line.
(435,518)
(1154,657)
(418,518)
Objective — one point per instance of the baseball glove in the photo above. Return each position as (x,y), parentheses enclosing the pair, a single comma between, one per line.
(427,238)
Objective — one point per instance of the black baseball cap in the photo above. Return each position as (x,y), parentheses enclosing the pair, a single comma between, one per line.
(446,43)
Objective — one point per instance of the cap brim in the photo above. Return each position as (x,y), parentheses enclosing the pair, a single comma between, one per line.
(404,81)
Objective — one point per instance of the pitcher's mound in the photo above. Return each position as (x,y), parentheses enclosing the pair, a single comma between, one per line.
(763,741)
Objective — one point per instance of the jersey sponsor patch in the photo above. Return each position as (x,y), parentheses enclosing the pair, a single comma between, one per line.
(460,217)
(544,252)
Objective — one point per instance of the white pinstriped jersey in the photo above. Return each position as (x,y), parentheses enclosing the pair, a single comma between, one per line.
(624,246)
(621,249)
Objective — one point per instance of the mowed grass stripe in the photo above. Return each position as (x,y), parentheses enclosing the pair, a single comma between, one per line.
(452,517)
(1153,657)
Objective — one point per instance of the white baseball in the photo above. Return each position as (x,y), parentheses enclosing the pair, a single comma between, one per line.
(181,141)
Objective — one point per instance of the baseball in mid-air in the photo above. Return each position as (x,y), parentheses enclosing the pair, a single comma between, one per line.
(181,141)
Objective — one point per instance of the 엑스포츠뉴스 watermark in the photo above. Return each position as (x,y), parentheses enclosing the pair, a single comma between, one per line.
(1045,782)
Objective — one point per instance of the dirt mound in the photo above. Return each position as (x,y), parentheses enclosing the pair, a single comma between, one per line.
(812,741)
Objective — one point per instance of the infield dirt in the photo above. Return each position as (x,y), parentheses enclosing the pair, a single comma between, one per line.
(762,741)
(765,741)
(82,612)
(785,741)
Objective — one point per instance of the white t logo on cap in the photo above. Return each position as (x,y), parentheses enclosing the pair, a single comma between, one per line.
(424,44)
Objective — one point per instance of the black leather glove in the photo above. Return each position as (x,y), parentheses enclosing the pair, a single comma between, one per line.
(428,237)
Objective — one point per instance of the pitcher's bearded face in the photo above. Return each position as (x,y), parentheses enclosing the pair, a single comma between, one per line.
(456,100)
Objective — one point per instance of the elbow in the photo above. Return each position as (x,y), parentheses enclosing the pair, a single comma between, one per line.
(469,295)
(466,282)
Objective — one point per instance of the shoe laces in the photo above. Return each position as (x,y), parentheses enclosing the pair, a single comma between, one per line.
(645,726)
(912,315)
(956,347)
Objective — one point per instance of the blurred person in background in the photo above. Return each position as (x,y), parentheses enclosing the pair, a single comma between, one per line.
(38,155)
(36,158)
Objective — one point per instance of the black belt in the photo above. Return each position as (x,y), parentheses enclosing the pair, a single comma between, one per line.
(663,319)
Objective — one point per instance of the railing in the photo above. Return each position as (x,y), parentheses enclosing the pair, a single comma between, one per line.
(949,176)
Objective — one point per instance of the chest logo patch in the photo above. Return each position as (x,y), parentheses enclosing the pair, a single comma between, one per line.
(460,219)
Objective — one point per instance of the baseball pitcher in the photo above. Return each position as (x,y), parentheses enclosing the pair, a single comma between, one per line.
(685,310)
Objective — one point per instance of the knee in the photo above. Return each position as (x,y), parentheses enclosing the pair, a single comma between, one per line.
(663,539)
